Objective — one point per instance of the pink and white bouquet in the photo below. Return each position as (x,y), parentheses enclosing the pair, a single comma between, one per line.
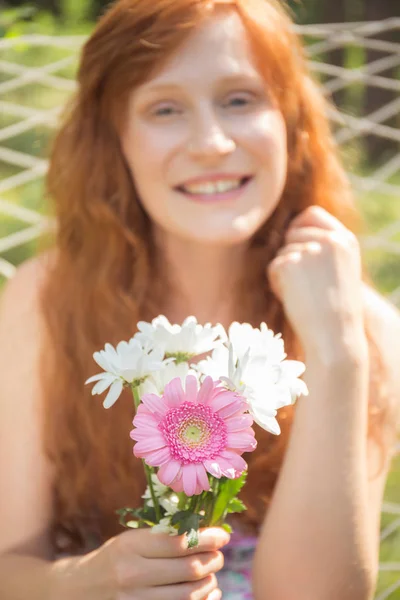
(194,417)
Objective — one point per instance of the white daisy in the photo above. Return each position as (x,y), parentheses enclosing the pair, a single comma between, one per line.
(156,381)
(128,363)
(164,526)
(187,340)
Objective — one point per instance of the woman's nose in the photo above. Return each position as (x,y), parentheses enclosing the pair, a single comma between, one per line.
(209,140)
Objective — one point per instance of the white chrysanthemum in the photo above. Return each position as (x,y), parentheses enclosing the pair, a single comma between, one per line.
(159,488)
(170,504)
(261,342)
(156,382)
(167,499)
(258,373)
(189,339)
(128,363)
(164,526)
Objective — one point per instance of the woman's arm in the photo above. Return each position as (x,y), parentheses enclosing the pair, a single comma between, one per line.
(315,542)
(320,536)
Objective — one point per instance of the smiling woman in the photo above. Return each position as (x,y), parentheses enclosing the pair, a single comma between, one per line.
(195,173)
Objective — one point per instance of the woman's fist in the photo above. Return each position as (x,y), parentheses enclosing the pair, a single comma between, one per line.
(317,277)
(140,565)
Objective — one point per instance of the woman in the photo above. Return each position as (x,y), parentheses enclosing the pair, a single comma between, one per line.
(195,174)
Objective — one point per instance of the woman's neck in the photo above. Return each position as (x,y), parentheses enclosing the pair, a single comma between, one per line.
(203,279)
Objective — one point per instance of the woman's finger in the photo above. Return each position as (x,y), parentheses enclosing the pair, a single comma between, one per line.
(308,234)
(311,247)
(316,216)
(151,545)
(182,591)
(167,571)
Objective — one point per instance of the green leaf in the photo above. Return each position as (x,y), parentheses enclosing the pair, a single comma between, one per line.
(146,514)
(186,521)
(192,538)
(132,524)
(227,527)
(236,506)
(228,490)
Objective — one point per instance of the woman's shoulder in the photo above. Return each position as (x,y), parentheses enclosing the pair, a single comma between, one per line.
(384,318)
(22,327)
(384,321)
(380,307)
(22,291)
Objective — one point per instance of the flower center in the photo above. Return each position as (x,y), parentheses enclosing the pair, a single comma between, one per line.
(194,432)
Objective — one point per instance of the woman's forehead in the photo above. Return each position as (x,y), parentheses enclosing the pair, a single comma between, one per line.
(217,50)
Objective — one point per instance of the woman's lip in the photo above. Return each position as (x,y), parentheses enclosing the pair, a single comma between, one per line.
(217,196)
(215,177)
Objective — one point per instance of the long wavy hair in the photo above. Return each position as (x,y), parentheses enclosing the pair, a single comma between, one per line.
(105,274)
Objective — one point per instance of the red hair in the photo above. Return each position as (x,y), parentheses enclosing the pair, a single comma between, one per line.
(98,286)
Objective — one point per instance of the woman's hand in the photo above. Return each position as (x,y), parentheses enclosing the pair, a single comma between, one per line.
(317,277)
(140,565)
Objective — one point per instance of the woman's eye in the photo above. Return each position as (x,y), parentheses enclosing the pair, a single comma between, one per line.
(165,111)
(238,101)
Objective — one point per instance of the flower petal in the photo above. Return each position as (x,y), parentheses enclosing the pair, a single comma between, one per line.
(235,459)
(168,472)
(158,457)
(173,393)
(268,423)
(101,360)
(146,419)
(231,409)
(205,391)
(155,405)
(227,469)
(142,433)
(97,377)
(239,423)
(241,440)
(292,368)
(189,478)
(191,388)
(177,485)
(155,442)
(113,394)
(202,478)
(213,468)
(103,384)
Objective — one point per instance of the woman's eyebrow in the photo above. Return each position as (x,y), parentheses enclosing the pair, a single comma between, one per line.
(222,81)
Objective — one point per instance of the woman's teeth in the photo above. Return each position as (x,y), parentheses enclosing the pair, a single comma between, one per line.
(214,187)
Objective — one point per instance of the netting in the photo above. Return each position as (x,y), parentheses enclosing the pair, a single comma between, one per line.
(359,66)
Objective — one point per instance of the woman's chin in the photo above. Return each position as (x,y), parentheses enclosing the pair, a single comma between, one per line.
(215,237)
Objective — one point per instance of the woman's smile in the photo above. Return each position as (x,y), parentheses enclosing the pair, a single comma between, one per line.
(216,188)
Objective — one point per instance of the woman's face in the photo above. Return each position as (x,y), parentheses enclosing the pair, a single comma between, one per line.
(205,145)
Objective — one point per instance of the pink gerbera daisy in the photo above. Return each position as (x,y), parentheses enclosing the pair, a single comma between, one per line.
(190,433)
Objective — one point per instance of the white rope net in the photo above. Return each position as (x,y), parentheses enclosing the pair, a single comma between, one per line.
(37,76)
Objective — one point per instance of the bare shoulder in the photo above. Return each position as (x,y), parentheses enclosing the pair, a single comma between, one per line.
(380,308)
(25,286)
(384,318)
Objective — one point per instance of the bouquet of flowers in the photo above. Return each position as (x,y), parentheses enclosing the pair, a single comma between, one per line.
(197,391)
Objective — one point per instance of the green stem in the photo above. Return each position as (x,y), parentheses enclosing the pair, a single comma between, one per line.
(215,490)
(148,471)
(193,503)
